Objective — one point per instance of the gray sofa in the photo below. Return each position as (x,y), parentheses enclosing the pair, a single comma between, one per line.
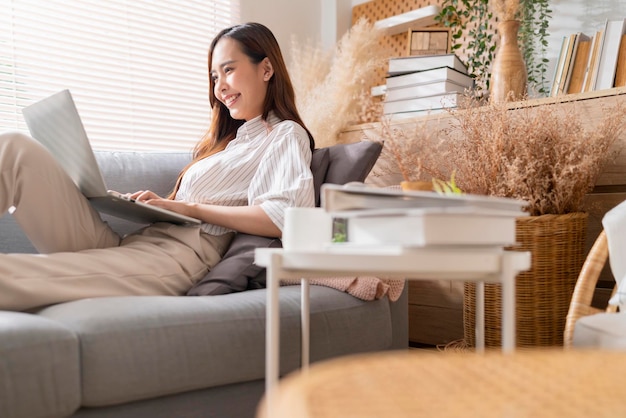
(187,356)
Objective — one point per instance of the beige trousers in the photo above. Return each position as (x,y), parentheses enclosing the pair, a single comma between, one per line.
(80,256)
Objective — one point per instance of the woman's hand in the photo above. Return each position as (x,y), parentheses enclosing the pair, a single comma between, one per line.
(247,219)
(144,196)
(153,199)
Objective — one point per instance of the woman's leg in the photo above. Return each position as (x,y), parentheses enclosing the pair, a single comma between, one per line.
(163,259)
(50,209)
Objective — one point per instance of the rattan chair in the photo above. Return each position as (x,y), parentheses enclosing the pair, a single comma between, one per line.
(585,287)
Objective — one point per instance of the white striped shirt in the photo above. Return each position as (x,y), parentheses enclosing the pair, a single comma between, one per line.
(267,164)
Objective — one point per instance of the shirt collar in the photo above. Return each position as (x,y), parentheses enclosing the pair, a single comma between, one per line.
(255,127)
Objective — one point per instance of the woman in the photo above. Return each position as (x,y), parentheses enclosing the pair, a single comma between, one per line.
(252,164)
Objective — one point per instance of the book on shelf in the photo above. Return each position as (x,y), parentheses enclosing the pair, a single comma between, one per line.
(431,75)
(613,31)
(424,89)
(560,64)
(565,64)
(425,103)
(431,226)
(620,71)
(579,64)
(348,200)
(592,65)
(402,65)
(568,63)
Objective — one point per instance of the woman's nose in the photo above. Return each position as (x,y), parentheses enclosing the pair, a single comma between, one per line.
(220,85)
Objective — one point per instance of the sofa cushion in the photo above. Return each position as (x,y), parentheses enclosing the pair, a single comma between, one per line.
(39,367)
(162,345)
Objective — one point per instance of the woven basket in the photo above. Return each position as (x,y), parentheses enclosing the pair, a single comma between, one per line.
(543,294)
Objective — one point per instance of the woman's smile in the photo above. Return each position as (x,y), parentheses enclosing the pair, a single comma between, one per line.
(230,99)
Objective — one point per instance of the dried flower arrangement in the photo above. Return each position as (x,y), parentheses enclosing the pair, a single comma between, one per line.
(332,88)
(408,147)
(546,155)
(506,9)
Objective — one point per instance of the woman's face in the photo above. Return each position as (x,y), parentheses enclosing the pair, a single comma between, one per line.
(240,84)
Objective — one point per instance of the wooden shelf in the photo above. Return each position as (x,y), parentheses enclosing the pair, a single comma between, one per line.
(418,18)
(591,105)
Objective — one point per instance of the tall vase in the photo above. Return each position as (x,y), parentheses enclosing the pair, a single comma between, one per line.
(508,73)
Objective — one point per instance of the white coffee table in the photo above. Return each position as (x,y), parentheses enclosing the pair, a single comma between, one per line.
(465,263)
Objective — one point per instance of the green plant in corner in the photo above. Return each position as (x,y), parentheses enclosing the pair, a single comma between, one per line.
(471,18)
(533,35)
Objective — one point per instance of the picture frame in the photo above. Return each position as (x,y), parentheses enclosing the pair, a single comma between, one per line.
(430,41)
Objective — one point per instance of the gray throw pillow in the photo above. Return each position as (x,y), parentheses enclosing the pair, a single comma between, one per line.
(319,165)
(236,268)
(352,162)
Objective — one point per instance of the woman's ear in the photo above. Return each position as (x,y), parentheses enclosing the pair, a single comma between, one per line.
(268,70)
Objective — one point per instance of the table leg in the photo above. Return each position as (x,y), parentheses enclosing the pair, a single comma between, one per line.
(272,342)
(508,302)
(305,322)
(480,316)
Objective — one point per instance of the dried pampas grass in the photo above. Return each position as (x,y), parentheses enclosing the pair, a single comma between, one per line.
(546,155)
(332,88)
(410,148)
(506,9)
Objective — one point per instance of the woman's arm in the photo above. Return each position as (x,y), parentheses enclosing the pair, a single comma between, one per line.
(247,219)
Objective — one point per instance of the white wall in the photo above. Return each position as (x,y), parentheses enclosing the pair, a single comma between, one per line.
(319,21)
(285,18)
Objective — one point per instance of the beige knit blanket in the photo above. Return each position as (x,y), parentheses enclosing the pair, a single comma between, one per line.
(365,288)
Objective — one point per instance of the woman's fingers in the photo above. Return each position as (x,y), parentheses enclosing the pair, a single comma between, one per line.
(143,195)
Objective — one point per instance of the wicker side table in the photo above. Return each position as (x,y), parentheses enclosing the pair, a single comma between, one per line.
(532,383)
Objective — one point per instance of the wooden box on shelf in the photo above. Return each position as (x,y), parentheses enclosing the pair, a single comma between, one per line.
(431,41)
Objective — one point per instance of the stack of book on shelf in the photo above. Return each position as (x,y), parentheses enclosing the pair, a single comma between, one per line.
(425,83)
(592,62)
(384,217)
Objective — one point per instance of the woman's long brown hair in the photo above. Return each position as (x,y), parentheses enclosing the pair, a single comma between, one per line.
(257,42)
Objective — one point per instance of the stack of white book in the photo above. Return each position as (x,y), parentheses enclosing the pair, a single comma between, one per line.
(417,219)
(425,83)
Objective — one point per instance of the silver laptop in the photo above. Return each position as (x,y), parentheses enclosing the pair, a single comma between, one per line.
(55,123)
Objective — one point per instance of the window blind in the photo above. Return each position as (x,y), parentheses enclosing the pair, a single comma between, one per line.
(137,68)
